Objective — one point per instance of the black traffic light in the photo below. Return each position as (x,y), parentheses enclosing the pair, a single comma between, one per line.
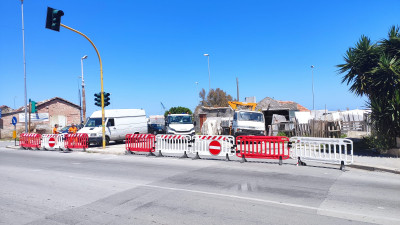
(106,99)
(97,99)
(53,19)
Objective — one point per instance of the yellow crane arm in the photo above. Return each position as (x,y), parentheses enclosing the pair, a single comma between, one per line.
(234,105)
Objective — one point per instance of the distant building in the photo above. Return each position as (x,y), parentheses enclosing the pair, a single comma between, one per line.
(49,112)
(268,106)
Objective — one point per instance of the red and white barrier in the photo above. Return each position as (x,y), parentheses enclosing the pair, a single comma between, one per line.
(213,145)
(76,141)
(263,147)
(174,144)
(140,143)
(53,141)
(328,150)
(30,140)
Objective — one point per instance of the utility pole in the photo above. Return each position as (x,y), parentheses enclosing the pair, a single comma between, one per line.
(23,50)
(83,91)
(80,104)
(237,88)
(209,76)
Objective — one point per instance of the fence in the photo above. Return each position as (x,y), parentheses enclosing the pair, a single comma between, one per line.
(76,141)
(263,147)
(330,150)
(213,145)
(30,140)
(140,143)
(174,144)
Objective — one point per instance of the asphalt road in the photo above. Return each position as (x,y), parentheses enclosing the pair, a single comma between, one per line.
(48,187)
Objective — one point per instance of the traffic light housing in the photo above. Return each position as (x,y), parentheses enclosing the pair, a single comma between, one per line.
(97,99)
(53,19)
(106,99)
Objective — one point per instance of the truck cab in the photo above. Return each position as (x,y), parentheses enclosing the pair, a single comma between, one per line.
(180,124)
(248,123)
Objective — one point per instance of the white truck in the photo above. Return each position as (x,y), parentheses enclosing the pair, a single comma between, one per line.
(119,122)
(245,122)
(181,124)
(241,122)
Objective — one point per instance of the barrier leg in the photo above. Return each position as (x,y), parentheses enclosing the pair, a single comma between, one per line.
(227,157)
(197,156)
(243,159)
(184,156)
(159,154)
(342,167)
(131,152)
(300,163)
(280,160)
(150,154)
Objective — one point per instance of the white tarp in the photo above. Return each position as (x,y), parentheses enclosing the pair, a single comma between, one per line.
(35,117)
(212,126)
(302,117)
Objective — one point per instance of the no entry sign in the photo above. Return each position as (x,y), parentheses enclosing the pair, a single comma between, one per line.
(214,147)
(52,142)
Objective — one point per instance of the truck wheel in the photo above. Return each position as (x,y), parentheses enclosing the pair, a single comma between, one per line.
(107,140)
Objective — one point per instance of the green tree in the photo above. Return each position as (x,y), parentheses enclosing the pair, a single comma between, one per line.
(215,98)
(373,70)
(177,110)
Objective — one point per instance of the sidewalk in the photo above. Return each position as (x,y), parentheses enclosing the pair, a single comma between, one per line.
(383,163)
(110,149)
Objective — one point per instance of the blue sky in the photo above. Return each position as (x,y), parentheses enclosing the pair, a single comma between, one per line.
(152,51)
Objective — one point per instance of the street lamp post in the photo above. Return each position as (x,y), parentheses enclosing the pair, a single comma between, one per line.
(23,49)
(209,77)
(83,91)
(312,85)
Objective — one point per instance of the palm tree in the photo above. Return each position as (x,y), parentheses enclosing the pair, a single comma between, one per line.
(373,70)
(359,62)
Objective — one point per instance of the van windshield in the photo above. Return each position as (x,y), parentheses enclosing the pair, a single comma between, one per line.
(251,116)
(184,119)
(93,122)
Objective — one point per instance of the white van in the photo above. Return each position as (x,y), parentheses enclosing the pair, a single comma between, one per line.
(119,122)
(180,124)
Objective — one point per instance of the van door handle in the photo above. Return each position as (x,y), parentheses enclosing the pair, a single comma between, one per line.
(115,128)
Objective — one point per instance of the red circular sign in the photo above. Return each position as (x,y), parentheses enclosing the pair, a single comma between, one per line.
(214,148)
(52,142)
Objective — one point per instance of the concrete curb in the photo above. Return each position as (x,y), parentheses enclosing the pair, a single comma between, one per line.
(373,168)
(107,151)
(13,147)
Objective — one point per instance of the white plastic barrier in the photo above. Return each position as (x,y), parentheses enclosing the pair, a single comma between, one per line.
(213,145)
(53,141)
(330,150)
(174,144)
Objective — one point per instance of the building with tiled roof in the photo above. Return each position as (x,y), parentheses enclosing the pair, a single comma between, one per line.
(49,112)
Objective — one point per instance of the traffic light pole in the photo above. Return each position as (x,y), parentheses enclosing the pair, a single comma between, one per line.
(101,81)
